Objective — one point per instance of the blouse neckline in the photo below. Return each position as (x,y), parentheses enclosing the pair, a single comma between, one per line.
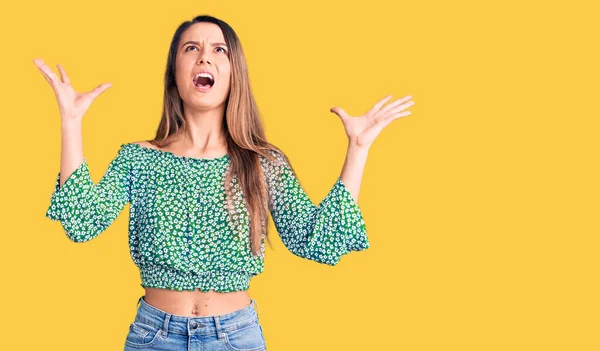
(172,155)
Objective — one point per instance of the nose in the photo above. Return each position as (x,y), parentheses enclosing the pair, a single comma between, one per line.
(203,56)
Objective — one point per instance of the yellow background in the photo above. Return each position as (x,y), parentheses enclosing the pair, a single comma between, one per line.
(481,206)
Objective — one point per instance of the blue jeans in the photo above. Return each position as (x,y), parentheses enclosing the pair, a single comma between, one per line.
(155,329)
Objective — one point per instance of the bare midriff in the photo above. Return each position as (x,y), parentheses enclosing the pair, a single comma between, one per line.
(196,303)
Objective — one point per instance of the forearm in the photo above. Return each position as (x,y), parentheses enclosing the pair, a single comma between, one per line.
(353,169)
(71,154)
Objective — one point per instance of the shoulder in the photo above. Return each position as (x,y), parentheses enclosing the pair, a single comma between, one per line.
(144,143)
(130,151)
(275,165)
(273,157)
(138,146)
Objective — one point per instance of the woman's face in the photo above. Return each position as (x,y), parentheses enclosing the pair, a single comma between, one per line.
(202,48)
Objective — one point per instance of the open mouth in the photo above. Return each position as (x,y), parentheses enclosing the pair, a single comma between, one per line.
(203,80)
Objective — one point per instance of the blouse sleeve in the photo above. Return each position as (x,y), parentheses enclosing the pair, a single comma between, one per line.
(323,232)
(86,209)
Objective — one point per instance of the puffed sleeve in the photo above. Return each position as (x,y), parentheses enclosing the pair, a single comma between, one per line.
(323,232)
(86,209)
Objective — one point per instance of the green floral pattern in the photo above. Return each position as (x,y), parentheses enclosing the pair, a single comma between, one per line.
(180,235)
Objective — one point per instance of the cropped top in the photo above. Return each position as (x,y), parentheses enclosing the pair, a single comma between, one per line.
(180,237)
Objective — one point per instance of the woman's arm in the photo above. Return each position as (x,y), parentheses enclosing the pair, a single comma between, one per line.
(353,169)
(71,149)
(85,209)
(322,232)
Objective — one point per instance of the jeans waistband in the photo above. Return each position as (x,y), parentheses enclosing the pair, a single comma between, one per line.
(206,325)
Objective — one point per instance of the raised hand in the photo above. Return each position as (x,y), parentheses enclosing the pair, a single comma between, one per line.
(71,104)
(363,130)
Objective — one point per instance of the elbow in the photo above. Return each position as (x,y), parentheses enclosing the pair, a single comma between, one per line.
(327,257)
(79,234)
(72,228)
(330,260)
(78,238)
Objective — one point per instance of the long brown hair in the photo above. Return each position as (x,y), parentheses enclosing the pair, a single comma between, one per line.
(243,127)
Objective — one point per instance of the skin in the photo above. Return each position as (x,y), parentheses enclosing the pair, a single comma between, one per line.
(204,112)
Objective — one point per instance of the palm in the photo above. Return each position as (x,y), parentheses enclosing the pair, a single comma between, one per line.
(364,129)
(69,98)
(71,104)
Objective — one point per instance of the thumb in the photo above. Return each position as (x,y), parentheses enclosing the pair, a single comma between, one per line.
(340,112)
(93,94)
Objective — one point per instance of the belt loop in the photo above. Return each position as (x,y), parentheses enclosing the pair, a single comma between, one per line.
(220,333)
(166,325)
(138,301)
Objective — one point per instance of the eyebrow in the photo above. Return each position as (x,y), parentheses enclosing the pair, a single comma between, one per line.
(197,43)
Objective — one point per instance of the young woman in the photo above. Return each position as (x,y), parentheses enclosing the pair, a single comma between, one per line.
(200,193)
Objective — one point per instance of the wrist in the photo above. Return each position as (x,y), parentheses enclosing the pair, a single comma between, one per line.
(354,146)
(70,124)
(355,152)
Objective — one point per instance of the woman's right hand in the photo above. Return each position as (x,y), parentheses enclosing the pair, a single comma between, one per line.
(71,104)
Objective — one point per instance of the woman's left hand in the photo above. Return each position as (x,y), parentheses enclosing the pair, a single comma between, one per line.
(363,130)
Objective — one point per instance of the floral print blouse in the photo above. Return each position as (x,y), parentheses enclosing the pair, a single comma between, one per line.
(180,237)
